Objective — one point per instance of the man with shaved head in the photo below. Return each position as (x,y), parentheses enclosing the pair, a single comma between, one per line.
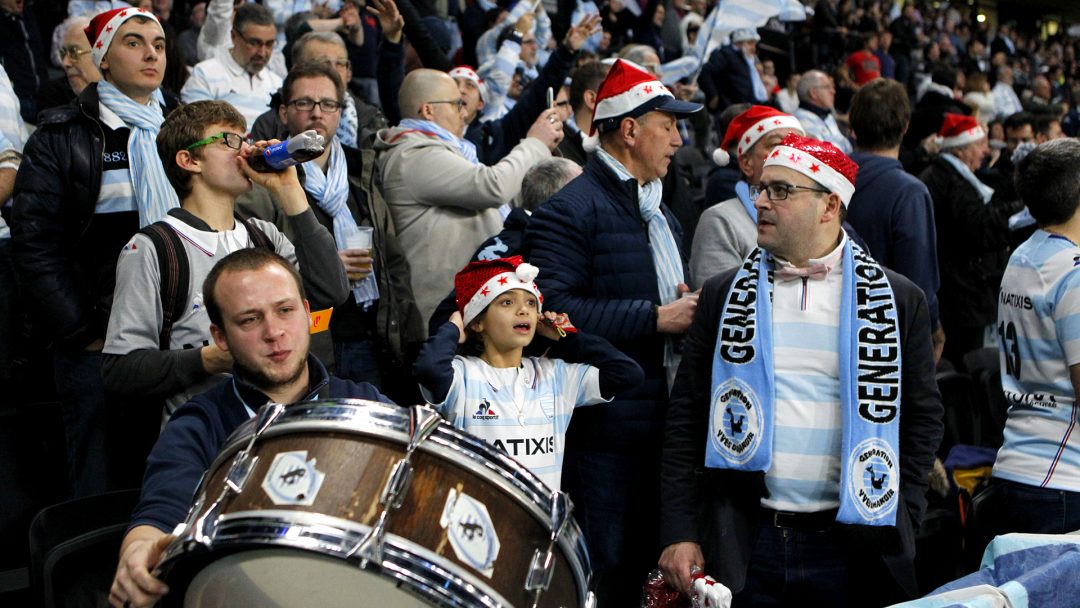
(444,202)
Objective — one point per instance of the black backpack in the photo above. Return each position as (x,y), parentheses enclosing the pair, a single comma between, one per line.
(175,270)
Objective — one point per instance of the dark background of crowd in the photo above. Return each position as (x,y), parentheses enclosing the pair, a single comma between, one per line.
(948,55)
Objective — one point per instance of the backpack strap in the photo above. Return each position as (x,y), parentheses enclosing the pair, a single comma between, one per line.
(258,237)
(175,274)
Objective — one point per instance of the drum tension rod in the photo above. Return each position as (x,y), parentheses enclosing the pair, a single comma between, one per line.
(422,422)
(543,563)
(237,477)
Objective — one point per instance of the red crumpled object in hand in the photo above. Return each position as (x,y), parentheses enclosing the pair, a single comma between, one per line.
(657,593)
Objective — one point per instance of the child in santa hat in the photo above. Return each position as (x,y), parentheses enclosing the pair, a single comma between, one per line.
(519,404)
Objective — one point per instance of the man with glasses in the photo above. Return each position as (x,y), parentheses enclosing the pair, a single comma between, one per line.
(805,416)
(442,199)
(90,178)
(241,76)
(206,159)
(817,97)
(79,68)
(359,120)
(378,316)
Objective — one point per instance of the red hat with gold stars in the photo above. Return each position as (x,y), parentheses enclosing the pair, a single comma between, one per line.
(820,161)
(103,27)
(480,282)
(747,128)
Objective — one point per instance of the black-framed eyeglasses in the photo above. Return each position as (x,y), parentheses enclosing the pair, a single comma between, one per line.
(73,50)
(459,102)
(306,105)
(778,191)
(254,43)
(232,140)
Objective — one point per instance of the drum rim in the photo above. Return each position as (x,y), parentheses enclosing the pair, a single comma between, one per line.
(403,560)
(493,466)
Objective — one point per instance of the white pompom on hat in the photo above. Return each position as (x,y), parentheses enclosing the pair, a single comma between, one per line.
(480,282)
(748,127)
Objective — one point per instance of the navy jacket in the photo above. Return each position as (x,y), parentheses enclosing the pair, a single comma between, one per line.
(592,248)
(725,79)
(894,214)
(719,509)
(197,432)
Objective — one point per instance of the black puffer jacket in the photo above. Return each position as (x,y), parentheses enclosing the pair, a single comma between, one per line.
(68,279)
(973,246)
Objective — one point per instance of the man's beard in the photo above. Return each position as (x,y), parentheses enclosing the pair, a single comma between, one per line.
(264,383)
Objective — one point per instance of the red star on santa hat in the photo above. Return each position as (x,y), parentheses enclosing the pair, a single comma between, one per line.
(98,45)
(775,121)
(123,13)
(794,158)
(502,280)
(815,168)
(108,29)
(760,128)
(485,291)
(647,89)
(775,154)
(747,139)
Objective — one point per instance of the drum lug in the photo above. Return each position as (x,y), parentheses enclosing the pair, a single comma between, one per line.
(543,563)
(422,422)
(397,485)
(266,416)
(590,600)
(239,472)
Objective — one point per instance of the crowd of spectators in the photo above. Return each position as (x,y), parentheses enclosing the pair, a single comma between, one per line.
(441,119)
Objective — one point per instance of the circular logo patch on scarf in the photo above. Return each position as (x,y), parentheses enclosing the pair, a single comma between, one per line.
(735,428)
(874,478)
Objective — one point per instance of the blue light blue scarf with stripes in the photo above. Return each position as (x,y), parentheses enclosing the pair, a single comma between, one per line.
(331,194)
(744,389)
(153,192)
(466,147)
(665,251)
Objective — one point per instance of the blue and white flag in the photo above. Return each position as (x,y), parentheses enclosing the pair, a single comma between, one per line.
(731,15)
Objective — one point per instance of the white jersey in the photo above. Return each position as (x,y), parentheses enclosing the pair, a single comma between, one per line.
(523,411)
(1039,339)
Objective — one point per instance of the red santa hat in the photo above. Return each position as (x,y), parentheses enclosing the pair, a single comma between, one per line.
(103,27)
(629,92)
(820,161)
(464,71)
(480,282)
(958,130)
(747,128)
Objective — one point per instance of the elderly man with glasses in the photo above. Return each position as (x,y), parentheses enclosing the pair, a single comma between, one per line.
(158,343)
(442,199)
(805,415)
(241,76)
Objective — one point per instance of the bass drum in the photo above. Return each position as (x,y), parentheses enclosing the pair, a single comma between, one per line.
(356,503)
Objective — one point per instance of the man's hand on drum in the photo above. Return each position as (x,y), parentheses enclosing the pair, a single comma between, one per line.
(677,562)
(133,584)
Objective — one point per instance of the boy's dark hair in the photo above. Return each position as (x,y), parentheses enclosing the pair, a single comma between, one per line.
(1048,183)
(250,258)
(880,113)
(586,78)
(1041,123)
(1018,120)
(311,69)
(186,125)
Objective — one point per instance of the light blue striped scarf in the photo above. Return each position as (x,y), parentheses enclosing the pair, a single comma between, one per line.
(466,147)
(153,192)
(742,402)
(985,192)
(331,193)
(665,251)
(347,132)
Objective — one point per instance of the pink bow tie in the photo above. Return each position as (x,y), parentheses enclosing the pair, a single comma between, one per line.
(817,272)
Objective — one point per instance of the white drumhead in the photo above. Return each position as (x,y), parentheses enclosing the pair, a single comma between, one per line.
(283,578)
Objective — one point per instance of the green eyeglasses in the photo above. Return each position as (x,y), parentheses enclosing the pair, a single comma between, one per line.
(232,140)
